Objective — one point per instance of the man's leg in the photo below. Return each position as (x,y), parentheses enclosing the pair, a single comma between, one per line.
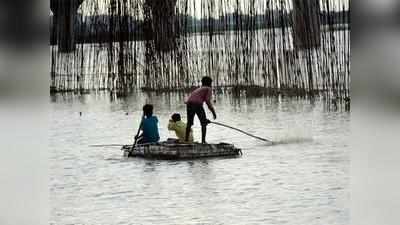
(190,117)
(203,133)
(204,121)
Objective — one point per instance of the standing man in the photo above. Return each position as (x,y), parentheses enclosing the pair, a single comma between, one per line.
(194,105)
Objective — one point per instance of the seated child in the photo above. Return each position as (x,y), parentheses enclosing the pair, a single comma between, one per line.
(179,127)
(148,126)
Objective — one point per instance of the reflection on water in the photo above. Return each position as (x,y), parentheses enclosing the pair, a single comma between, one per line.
(301,180)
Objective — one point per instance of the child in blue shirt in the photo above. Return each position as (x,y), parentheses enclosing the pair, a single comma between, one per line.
(148,126)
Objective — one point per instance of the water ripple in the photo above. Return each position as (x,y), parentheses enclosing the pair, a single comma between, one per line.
(301,179)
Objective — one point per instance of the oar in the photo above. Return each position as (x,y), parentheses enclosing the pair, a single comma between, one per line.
(259,138)
(137,133)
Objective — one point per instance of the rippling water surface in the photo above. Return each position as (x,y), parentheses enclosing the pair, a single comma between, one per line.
(304,179)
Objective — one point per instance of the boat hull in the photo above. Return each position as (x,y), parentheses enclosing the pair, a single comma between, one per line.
(165,150)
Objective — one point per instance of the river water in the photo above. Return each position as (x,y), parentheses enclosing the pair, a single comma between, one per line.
(304,179)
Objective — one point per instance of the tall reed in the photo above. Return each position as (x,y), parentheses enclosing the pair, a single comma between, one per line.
(240,44)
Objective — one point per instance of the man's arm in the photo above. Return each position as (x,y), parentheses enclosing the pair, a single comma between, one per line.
(211,108)
(209,104)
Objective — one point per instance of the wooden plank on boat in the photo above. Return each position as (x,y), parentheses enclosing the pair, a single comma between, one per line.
(167,150)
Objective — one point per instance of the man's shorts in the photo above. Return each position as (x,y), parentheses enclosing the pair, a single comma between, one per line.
(195,109)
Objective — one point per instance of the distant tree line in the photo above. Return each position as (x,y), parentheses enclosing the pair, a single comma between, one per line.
(96,29)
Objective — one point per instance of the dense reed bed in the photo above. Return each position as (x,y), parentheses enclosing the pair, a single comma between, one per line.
(169,45)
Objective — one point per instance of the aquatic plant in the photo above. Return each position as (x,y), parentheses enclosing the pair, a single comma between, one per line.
(276,46)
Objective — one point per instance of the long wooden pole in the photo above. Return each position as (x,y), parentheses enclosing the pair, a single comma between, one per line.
(244,132)
(107,145)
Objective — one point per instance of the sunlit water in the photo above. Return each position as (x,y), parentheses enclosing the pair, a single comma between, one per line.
(304,179)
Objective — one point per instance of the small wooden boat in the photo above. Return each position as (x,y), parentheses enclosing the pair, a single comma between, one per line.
(168,150)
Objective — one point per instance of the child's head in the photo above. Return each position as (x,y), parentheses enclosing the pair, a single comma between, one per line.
(176,117)
(206,81)
(148,110)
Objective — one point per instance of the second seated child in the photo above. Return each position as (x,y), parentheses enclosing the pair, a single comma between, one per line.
(177,125)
